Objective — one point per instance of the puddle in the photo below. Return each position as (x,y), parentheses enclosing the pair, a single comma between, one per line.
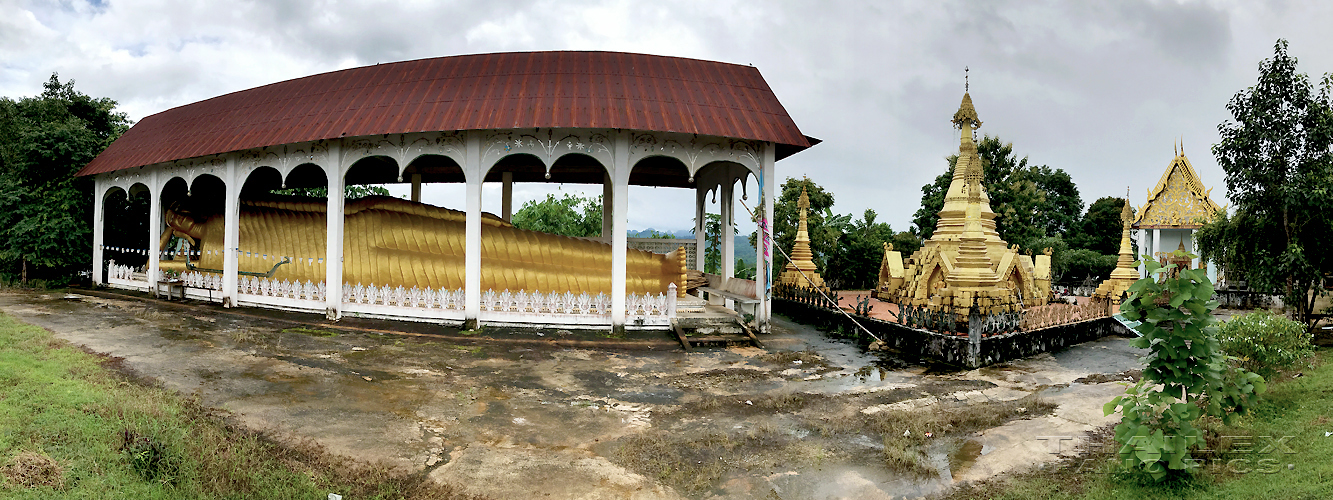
(964,457)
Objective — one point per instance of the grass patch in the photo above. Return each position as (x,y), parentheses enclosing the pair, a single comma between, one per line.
(1250,459)
(72,426)
(313,332)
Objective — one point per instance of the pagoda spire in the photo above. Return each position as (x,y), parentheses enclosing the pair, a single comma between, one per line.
(953,215)
(1125,274)
(801,271)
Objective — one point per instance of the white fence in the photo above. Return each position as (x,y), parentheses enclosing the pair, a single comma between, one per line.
(533,308)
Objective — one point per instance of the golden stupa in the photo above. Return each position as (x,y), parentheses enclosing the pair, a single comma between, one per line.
(965,264)
(1125,274)
(395,242)
(801,271)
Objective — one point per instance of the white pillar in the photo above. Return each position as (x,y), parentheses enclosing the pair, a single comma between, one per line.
(154,230)
(333,242)
(727,238)
(99,228)
(231,234)
(700,198)
(608,196)
(619,240)
(1141,236)
(473,173)
(763,270)
(416,188)
(507,196)
(1156,243)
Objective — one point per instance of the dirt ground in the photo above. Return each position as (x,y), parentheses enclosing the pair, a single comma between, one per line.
(564,414)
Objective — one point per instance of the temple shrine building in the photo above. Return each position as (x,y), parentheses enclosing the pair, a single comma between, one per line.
(209,171)
(1177,206)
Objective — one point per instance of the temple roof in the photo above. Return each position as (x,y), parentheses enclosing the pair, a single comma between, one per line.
(1179,201)
(471,92)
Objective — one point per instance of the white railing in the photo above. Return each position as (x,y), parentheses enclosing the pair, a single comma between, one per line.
(281,294)
(126,277)
(207,281)
(417,304)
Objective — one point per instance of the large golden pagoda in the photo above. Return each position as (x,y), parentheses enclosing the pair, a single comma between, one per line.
(801,271)
(965,264)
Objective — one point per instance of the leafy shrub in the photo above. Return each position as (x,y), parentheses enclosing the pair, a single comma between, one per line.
(149,457)
(1265,343)
(1187,375)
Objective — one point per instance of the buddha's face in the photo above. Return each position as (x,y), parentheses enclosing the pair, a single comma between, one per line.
(184,223)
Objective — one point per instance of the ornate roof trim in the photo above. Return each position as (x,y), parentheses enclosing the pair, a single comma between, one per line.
(1178,199)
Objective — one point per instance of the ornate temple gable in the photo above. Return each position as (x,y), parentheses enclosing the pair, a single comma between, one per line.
(1178,201)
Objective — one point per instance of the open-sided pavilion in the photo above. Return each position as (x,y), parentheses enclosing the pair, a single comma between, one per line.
(615,119)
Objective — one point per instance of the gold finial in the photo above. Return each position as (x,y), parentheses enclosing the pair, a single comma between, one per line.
(966,116)
(1126,213)
(804,202)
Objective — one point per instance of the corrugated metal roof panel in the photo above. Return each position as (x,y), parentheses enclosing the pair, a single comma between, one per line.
(473,92)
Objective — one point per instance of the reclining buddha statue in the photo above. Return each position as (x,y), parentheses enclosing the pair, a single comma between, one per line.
(395,242)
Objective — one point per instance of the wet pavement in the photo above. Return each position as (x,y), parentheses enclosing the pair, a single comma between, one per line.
(569,414)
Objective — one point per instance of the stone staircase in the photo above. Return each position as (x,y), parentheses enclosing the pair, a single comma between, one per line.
(699,324)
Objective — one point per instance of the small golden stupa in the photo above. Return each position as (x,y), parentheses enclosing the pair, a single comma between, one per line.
(965,264)
(801,271)
(1125,274)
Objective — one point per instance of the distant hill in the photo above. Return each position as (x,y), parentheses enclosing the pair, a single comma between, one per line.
(744,250)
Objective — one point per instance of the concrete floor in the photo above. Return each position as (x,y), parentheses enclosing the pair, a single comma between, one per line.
(525,414)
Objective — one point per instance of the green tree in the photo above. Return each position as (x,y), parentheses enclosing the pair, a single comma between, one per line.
(351,192)
(1029,201)
(45,212)
(569,215)
(1276,152)
(855,263)
(1099,229)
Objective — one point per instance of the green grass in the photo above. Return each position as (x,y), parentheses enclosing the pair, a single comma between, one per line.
(313,332)
(1299,407)
(73,427)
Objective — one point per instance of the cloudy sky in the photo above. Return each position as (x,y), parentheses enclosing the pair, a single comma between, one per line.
(1099,89)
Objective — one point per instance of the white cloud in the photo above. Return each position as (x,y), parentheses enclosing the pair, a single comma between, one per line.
(1099,89)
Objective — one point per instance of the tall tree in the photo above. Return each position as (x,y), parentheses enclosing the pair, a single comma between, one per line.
(1276,152)
(570,215)
(1030,202)
(46,213)
(855,263)
(1099,229)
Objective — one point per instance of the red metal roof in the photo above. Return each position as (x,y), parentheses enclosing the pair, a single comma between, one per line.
(471,92)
